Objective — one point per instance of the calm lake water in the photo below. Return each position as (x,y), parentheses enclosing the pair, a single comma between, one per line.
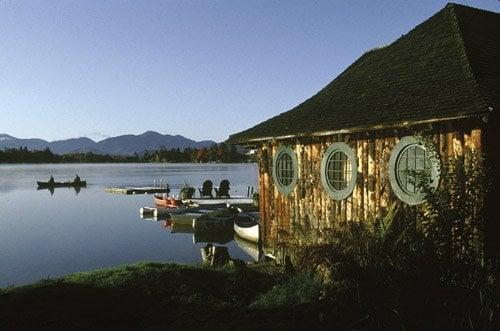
(46,236)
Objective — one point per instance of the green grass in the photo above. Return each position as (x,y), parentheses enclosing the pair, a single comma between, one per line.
(296,290)
(151,295)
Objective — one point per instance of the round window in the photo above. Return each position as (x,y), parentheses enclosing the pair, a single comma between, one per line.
(339,171)
(410,163)
(285,172)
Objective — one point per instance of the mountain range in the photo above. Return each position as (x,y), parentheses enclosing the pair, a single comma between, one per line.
(119,145)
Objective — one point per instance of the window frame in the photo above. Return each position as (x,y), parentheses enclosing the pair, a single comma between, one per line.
(403,145)
(348,151)
(291,153)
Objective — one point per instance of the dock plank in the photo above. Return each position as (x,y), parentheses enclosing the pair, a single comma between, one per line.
(136,190)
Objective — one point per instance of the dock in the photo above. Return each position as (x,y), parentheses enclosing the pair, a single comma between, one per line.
(216,201)
(136,190)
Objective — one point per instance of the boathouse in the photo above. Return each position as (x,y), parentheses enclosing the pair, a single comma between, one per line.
(348,152)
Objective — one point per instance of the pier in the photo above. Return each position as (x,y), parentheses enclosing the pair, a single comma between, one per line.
(137,190)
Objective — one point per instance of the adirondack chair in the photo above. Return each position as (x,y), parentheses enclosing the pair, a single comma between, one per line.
(206,190)
(223,190)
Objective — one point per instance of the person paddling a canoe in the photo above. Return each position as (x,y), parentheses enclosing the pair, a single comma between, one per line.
(77,179)
(51,180)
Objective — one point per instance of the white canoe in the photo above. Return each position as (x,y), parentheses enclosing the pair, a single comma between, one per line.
(247,227)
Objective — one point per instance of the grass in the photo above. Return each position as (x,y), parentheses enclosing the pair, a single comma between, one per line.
(152,295)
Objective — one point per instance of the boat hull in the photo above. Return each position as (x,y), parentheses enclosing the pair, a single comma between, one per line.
(213,224)
(61,184)
(247,228)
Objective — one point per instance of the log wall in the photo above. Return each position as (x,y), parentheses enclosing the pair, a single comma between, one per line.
(309,205)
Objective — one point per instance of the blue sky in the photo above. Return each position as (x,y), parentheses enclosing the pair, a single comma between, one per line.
(203,69)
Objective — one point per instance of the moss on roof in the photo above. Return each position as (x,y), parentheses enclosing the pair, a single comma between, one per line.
(446,67)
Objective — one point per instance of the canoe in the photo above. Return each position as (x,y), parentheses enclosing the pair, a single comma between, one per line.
(206,223)
(157,214)
(231,201)
(246,225)
(217,220)
(181,228)
(186,215)
(83,183)
(166,202)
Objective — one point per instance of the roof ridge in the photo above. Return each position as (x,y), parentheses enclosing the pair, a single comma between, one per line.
(463,49)
(454,5)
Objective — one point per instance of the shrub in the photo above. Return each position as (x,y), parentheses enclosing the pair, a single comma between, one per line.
(187,192)
(419,267)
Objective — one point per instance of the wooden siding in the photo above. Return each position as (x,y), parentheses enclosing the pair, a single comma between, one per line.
(309,205)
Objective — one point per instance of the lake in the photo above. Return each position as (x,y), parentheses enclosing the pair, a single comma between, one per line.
(44,235)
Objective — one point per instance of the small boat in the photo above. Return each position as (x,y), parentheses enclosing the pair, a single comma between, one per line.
(180,227)
(246,225)
(166,202)
(186,215)
(218,220)
(82,183)
(206,223)
(231,201)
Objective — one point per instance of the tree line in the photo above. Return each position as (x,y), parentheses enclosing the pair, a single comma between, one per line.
(222,152)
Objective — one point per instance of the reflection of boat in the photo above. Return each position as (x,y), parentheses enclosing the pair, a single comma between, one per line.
(82,183)
(249,247)
(219,220)
(220,237)
(246,225)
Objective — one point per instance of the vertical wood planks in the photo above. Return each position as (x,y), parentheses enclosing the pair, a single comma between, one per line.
(372,194)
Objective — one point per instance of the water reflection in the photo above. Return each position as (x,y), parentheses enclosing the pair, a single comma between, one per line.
(77,189)
(222,237)
(66,233)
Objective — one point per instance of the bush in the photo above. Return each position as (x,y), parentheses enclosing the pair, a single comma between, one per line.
(187,192)
(419,267)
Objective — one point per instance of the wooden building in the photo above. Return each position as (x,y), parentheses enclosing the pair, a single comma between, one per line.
(344,154)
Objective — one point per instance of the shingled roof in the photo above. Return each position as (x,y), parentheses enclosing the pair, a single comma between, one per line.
(447,67)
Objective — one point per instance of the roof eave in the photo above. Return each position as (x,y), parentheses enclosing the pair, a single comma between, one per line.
(354,129)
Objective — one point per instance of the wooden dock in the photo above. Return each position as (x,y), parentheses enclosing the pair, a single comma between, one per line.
(136,190)
(216,201)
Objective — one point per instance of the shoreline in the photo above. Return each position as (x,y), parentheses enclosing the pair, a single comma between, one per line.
(151,295)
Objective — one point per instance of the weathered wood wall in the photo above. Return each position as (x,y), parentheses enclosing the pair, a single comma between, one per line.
(310,205)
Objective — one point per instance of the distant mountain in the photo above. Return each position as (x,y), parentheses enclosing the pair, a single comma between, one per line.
(120,145)
(71,145)
(7,141)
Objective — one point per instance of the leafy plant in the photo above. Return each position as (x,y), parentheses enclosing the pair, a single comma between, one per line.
(187,192)
(418,267)
(255,198)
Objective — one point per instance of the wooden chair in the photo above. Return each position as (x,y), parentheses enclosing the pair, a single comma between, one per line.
(223,190)
(206,190)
